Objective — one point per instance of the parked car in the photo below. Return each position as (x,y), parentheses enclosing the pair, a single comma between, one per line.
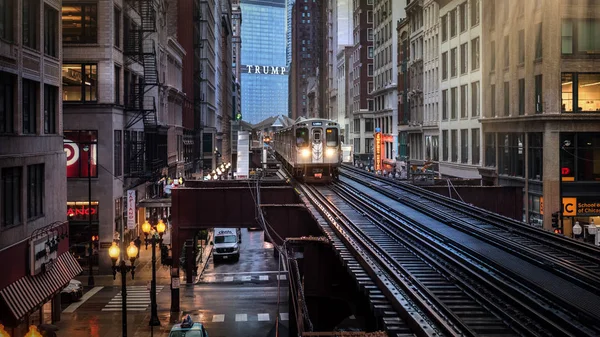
(72,292)
(188,328)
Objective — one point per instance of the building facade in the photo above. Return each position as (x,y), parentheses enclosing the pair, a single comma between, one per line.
(431,116)
(33,190)
(541,122)
(264,74)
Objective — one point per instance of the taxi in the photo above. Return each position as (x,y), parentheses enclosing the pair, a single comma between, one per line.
(188,328)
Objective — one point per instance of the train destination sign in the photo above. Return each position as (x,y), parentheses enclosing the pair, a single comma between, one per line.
(266,70)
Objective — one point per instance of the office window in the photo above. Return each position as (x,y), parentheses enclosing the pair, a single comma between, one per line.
(79,23)
(50,108)
(536,156)
(445,145)
(538,41)
(464,146)
(118,161)
(511,154)
(444,28)
(370,52)
(493,100)
(506,51)
(567,37)
(452,23)
(79,146)
(454,144)
(474,12)
(506,99)
(117,25)
(521,96)
(30,101)
(80,82)
(463,16)
(475,101)
(370,70)
(493,55)
(444,104)
(30,23)
(11,196)
(369,34)
(521,46)
(117,85)
(539,107)
(453,62)
(35,191)
(50,31)
(454,103)
(444,65)
(7,8)
(475,146)
(356,125)
(475,53)
(356,145)
(435,144)
(490,149)
(464,58)
(369,125)
(7,106)
(492,10)
(463,101)
(587,32)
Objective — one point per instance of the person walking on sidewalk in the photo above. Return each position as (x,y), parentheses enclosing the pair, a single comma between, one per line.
(138,244)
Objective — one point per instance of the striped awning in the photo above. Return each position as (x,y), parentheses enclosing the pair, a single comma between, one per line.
(30,292)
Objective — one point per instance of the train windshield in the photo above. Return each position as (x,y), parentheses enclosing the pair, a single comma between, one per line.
(332,137)
(301,137)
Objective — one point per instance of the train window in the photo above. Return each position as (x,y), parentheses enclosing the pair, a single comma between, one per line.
(331,137)
(302,137)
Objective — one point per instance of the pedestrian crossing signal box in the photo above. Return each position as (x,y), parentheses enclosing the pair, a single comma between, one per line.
(555,220)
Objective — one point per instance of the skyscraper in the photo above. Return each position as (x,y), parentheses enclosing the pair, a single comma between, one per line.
(263,61)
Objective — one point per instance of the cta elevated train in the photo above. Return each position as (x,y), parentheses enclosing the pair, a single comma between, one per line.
(310,149)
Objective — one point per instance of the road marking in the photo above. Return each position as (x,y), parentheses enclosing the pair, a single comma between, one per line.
(282,277)
(263,277)
(218,318)
(128,309)
(263,317)
(284,316)
(246,278)
(246,272)
(71,308)
(228,279)
(241,317)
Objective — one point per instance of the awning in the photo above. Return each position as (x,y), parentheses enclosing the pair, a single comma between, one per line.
(154,203)
(30,292)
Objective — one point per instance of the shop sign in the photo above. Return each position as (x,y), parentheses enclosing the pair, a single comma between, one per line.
(130,209)
(378,151)
(569,206)
(542,205)
(81,211)
(267,70)
(43,251)
(589,206)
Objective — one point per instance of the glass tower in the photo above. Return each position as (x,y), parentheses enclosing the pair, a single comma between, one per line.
(264,74)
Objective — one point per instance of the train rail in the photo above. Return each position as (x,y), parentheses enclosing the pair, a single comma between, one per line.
(578,262)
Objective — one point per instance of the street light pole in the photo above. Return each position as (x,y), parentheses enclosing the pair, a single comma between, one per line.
(122,268)
(160,228)
(87,148)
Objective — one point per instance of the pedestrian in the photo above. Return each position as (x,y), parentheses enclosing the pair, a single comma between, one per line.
(138,244)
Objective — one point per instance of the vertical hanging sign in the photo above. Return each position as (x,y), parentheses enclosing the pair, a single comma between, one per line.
(377,151)
(131,209)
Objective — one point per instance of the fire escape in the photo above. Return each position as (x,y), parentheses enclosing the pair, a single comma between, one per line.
(143,146)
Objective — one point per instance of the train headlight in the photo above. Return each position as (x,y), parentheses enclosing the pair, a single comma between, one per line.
(330,152)
(305,152)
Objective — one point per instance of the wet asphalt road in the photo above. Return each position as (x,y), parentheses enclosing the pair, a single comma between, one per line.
(230,299)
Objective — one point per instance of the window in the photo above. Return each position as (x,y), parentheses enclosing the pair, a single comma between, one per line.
(493,55)
(464,58)
(356,125)
(463,101)
(475,99)
(331,137)
(6,19)
(435,143)
(444,105)
(567,92)
(454,141)
(463,16)
(117,85)
(445,145)
(536,156)
(29,106)
(539,107)
(474,12)
(464,146)
(118,162)
(475,146)
(30,23)
(444,28)
(581,156)
(567,37)
(370,70)
(587,31)
(453,61)
(117,24)
(356,145)
(493,100)
(444,65)
(453,23)
(475,53)
(521,46)
(521,96)
(581,92)
(11,196)
(506,51)
(511,154)
(454,103)
(81,146)
(369,125)
(79,23)
(7,106)
(369,16)
(506,99)
(370,53)
(369,34)
(490,149)
(492,11)
(50,31)
(538,41)
(50,108)
(80,82)
(35,191)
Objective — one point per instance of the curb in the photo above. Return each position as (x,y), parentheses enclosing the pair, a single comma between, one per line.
(206,255)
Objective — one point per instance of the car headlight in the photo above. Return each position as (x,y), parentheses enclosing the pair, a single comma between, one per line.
(236,247)
(305,152)
(330,152)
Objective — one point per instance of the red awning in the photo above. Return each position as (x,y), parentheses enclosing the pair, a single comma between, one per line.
(30,292)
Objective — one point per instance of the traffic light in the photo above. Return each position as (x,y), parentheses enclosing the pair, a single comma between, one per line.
(555,219)
(238,116)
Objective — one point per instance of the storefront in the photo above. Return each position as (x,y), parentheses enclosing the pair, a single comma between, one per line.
(30,291)
(81,234)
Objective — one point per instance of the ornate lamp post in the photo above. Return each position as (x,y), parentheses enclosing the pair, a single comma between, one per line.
(122,268)
(3,333)
(148,230)
(88,149)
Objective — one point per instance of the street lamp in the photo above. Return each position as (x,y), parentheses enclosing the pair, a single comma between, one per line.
(33,332)
(87,149)
(148,230)
(122,268)
(3,333)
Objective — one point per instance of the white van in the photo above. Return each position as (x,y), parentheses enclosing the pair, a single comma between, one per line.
(226,243)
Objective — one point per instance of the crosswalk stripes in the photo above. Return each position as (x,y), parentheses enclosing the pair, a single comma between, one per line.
(262,317)
(138,299)
(215,278)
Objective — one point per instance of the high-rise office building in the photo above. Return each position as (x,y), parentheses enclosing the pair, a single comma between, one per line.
(263,61)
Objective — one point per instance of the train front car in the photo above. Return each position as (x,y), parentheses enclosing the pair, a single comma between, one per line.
(318,150)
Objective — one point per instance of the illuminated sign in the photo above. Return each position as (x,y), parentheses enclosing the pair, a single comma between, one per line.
(378,151)
(81,146)
(569,206)
(589,206)
(266,70)
(42,253)
(80,211)
(131,209)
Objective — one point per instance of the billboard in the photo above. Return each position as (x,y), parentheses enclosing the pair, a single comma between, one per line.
(79,147)
(243,156)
